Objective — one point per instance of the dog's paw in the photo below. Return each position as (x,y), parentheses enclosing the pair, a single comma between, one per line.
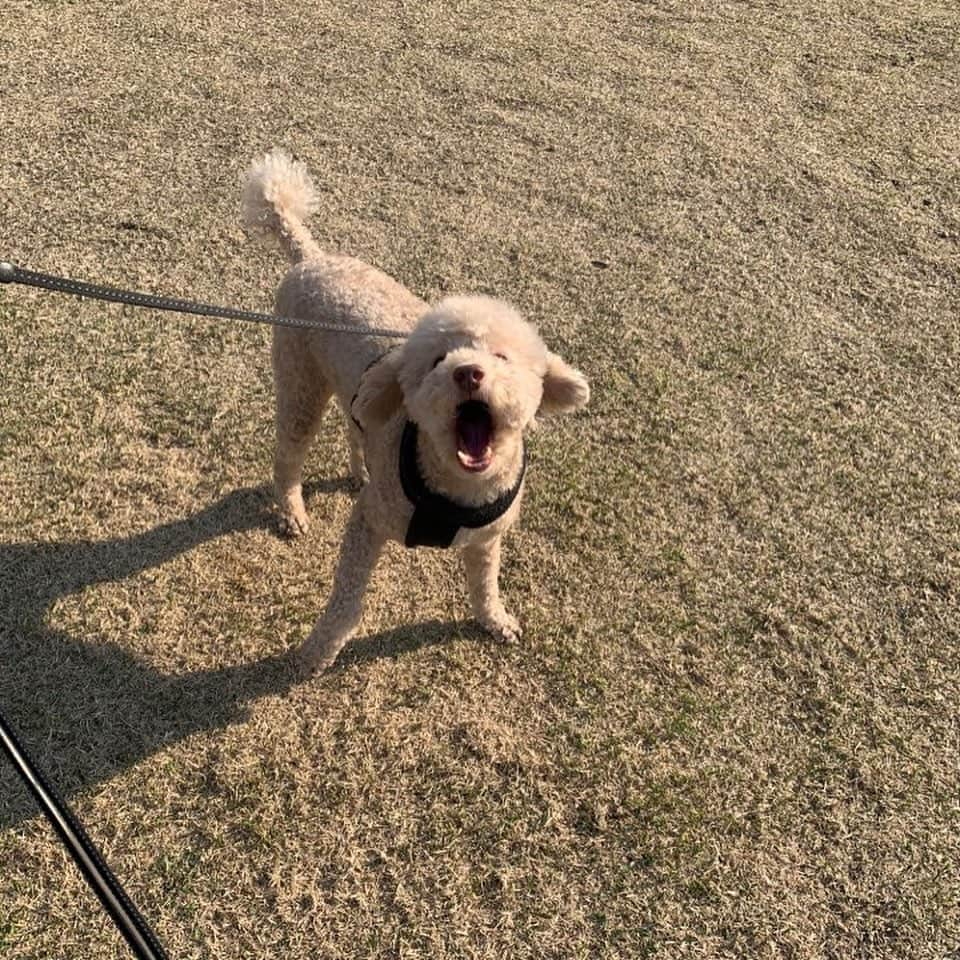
(293,523)
(503,627)
(318,652)
(310,665)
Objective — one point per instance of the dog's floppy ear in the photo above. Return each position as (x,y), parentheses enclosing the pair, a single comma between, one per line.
(564,389)
(379,395)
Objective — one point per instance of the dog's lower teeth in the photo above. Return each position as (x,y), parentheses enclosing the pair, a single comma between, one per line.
(469,461)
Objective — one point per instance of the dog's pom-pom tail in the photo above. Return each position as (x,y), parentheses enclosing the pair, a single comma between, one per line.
(278,196)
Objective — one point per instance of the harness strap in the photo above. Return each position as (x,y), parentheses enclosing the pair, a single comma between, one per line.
(437,519)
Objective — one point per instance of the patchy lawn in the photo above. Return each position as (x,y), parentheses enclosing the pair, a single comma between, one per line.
(731,729)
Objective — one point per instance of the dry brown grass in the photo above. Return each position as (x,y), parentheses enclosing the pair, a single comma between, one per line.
(732,728)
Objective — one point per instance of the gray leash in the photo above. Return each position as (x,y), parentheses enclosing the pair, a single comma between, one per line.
(13,274)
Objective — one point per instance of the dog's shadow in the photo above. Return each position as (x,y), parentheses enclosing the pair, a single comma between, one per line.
(87,710)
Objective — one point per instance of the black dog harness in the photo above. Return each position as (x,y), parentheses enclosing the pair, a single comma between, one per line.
(437,519)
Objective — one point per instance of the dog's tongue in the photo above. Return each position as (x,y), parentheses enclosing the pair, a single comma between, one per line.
(474,430)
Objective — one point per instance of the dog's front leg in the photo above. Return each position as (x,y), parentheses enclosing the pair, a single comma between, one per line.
(482,561)
(358,555)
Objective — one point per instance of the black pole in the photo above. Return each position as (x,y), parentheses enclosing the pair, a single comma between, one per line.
(87,857)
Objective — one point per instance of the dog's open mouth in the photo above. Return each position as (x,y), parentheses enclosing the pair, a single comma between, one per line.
(474,431)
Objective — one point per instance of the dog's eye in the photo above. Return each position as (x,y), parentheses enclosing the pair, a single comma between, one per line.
(503,357)
(439,359)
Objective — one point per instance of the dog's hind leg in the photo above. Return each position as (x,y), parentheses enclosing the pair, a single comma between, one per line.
(302,393)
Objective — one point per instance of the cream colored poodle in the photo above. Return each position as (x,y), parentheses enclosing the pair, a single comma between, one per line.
(436,419)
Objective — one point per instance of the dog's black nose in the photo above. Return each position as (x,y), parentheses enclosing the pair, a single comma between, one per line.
(468,375)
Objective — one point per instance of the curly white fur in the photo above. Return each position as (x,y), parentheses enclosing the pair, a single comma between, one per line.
(278,196)
(514,377)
